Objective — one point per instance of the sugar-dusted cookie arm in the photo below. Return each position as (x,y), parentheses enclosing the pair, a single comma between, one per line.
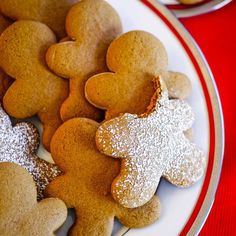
(19,145)
(188,166)
(179,113)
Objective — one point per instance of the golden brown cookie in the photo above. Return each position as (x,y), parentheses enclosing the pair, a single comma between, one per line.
(5,81)
(36,90)
(19,144)
(20,212)
(135,58)
(190,2)
(151,145)
(92,24)
(4,23)
(49,12)
(86,183)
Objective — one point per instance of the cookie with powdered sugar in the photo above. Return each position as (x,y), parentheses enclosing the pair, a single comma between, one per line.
(19,144)
(152,145)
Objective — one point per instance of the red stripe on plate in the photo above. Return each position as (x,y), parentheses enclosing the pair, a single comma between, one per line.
(207,179)
(185,6)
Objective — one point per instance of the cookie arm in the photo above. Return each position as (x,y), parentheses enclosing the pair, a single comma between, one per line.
(140,216)
(59,188)
(112,137)
(188,165)
(181,114)
(103,90)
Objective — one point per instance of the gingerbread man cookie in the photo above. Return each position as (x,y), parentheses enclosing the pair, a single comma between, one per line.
(92,24)
(150,146)
(135,58)
(86,183)
(20,212)
(50,12)
(36,90)
(19,144)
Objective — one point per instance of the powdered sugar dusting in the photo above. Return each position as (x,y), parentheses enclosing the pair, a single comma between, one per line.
(18,144)
(152,145)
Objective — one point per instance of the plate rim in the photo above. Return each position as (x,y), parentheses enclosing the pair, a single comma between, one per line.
(215,115)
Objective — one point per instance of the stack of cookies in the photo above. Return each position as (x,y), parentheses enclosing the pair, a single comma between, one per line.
(114,119)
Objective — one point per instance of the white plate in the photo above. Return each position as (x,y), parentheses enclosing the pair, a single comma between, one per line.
(183,210)
(206,6)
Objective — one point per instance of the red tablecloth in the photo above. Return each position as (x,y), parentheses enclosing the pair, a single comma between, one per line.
(215,33)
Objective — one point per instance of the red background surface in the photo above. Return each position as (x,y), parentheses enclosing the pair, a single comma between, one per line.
(215,33)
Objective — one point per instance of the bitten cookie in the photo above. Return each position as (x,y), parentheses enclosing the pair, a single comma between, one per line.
(36,90)
(92,24)
(86,183)
(20,212)
(135,58)
(150,146)
(19,144)
(49,12)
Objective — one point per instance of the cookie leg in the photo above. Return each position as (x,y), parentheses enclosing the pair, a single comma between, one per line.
(134,187)
(92,224)
(45,218)
(51,121)
(141,216)
(188,167)
(76,105)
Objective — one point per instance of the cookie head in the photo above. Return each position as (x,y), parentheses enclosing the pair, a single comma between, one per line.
(18,201)
(134,59)
(137,51)
(24,44)
(73,145)
(50,12)
(151,145)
